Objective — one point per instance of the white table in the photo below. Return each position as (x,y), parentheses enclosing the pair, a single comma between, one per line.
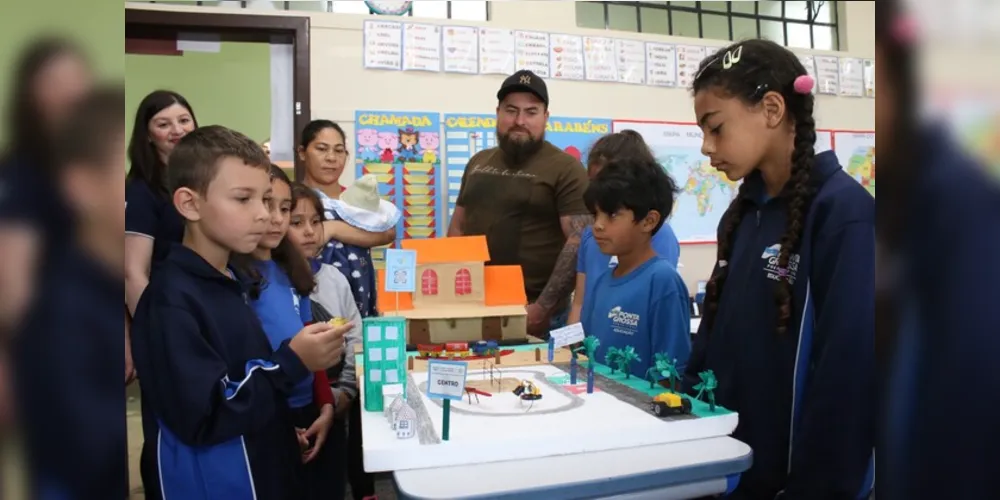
(686,469)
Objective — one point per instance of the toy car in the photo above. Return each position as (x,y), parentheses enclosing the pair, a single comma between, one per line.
(668,403)
(527,391)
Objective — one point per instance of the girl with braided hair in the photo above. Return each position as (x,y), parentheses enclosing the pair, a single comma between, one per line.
(789,310)
(938,322)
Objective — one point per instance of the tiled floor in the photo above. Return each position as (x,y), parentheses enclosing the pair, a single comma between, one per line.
(133,419)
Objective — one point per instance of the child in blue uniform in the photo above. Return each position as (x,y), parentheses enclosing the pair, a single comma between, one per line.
(937,288)
(590,262)
(284,308)
(789,313)
(216,390)
(71,346)
(642,302)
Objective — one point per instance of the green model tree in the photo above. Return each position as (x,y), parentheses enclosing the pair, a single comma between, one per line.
(661,369)
(707,387)
(589,349)
(670,372)
(627,356)
(611,358)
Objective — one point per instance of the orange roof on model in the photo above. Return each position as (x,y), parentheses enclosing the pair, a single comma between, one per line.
(504,284)
(445,250)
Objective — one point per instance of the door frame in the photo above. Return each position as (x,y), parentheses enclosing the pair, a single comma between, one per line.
(239,27)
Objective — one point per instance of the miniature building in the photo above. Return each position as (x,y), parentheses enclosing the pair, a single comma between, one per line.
(392,408)
(459,298)
(405,423)
(384,343)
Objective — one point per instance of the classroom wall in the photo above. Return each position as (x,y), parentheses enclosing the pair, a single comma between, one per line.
(341,85)
(97,25)
(230,87)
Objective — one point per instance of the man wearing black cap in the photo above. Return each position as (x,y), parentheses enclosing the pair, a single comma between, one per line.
(526,196)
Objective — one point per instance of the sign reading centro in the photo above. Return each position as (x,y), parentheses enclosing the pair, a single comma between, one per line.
(446,379)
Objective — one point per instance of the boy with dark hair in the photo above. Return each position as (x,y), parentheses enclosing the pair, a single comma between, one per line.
(643,302)
(70,349)
(214,393)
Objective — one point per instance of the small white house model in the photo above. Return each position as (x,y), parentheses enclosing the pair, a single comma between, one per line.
(405,422)
(392,408)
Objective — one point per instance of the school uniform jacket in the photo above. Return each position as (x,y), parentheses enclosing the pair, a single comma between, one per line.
(805,398)
(215,415)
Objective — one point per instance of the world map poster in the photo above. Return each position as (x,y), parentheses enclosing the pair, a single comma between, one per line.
(705,192)
(856,152)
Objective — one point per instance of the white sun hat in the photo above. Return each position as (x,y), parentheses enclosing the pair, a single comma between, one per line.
(361,206)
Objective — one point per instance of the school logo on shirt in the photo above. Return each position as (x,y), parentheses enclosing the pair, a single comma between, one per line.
(770,257)
(623,322)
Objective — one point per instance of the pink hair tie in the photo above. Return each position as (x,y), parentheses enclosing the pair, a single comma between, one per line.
(804,84)
(904,30)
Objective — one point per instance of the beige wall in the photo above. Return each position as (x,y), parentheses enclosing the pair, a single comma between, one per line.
(340,85)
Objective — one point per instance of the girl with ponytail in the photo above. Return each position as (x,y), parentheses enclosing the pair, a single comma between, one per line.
(789,312)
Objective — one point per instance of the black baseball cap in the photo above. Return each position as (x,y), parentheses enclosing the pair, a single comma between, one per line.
(524,81)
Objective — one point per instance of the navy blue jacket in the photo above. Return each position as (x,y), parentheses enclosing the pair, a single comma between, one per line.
(214,392)
(805,398)
(68,357)
(949,334)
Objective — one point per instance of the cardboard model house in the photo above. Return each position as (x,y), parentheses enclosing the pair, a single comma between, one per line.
(405,423)
(458,298)
(392,408)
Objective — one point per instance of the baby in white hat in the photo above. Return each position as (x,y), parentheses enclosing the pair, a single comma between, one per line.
(361,206)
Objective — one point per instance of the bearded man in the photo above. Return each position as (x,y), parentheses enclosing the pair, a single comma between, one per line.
(526,197)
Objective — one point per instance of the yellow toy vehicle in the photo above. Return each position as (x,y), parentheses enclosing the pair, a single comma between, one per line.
(527,391)
(668,403)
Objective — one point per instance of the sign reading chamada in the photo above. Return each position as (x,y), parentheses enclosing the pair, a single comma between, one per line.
(446,379)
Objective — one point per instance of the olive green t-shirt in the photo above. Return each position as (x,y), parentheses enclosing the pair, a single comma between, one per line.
(518,210)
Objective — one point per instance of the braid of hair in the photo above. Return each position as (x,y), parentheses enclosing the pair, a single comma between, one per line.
(802,164)
(713,289)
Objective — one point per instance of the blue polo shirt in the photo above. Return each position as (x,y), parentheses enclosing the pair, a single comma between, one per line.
(591,262)
(647,309)
(152,215)
(283,313)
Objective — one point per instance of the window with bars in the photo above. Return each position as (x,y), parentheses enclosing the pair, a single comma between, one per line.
(429,282)
(801,24)
(464,10)
(463,282)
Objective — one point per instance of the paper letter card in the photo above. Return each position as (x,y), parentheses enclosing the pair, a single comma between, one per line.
(446,379)
(400,270)
(569,334)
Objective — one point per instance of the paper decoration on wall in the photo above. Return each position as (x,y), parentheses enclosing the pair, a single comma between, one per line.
(467,134)
(856,152)
(705,192)
(460,49)
(421,47)
(532,51)
(383,41)
(661,64)
(496,52)
(688,59)
(566,57)
(869,72)
(389,8)
(464,136)
(852,79)
(402,149)
(827,75)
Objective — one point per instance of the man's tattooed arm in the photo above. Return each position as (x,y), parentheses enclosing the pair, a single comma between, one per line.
(563,276)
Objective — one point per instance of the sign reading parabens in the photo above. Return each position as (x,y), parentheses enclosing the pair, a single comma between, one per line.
(446,379)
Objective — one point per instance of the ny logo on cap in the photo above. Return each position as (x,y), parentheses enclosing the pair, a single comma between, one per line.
(526,79)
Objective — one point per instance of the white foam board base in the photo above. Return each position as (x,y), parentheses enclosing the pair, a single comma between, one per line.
(505,429)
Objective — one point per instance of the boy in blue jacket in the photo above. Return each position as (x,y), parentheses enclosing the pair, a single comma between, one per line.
(789,311)
(215,414)
(642,302)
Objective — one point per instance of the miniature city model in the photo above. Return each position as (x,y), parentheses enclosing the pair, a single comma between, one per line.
(458,298)
(530,408)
